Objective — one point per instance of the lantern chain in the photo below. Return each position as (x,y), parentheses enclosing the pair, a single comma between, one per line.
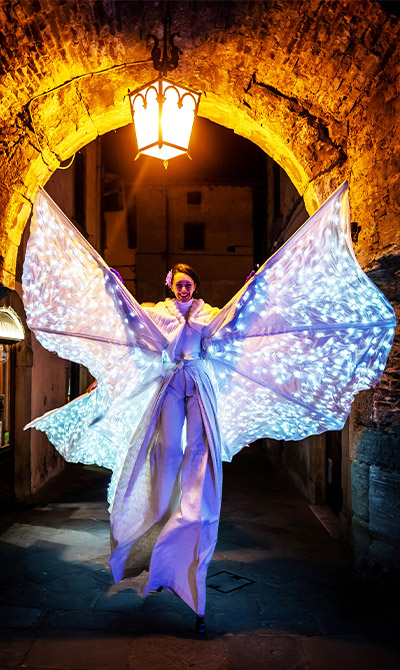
(168,61)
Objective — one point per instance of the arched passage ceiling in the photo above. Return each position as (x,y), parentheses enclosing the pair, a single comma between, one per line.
(315,84)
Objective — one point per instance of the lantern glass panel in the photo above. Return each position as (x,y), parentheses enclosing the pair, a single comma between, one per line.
(146,119)
(177,122)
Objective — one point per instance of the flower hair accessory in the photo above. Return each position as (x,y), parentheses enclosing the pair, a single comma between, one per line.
(168,279)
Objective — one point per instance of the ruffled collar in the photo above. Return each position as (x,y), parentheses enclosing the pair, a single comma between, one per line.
(194,309)
(184,306)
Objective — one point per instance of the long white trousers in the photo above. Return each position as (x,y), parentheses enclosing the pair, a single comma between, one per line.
(186,544)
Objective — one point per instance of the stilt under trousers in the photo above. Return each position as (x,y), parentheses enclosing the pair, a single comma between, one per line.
(186,544)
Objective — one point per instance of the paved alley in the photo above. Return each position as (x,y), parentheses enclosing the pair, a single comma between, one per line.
(282,594)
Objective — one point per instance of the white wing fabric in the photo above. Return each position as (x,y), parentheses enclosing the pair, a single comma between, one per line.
(304,335)
(288,352)
(79,309)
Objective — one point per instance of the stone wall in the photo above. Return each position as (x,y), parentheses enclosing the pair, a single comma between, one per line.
(315,84)
(375,454)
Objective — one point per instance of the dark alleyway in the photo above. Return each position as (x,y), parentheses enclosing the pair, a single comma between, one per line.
(281,591)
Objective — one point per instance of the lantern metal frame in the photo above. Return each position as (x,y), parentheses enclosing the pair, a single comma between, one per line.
(157,85)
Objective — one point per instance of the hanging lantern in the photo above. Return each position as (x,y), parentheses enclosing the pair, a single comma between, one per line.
(163,112)
(163,115)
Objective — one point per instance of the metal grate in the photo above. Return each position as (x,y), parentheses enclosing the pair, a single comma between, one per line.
(226,582)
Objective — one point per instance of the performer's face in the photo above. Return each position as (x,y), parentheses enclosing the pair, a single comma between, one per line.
(183,287)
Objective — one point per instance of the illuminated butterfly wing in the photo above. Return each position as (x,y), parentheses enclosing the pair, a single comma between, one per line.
(79,309)
(301,338)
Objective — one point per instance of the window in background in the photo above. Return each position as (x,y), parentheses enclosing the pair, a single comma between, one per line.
(193,236)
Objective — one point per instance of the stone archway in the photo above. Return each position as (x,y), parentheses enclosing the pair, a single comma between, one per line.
(314,84)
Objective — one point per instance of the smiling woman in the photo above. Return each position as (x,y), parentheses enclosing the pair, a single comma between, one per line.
(183,287)
(183,282)
(182,522)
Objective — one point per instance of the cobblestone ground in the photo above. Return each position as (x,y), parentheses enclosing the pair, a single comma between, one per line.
(281,591)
